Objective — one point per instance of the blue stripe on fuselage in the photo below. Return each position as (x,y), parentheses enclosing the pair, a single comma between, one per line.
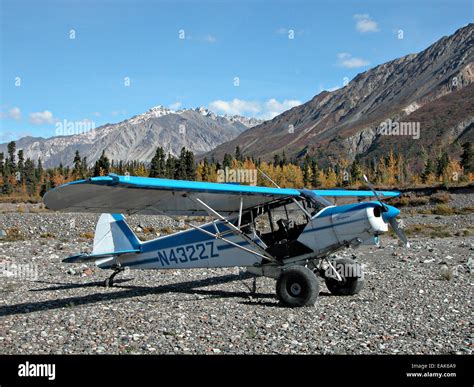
(182,238)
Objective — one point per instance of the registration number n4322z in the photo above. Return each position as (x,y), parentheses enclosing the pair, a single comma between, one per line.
(189,253)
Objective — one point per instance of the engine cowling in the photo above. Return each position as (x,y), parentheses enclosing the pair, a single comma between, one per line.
(351,224)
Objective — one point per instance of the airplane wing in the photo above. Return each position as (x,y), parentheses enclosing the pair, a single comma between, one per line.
(151,196)
(343,196)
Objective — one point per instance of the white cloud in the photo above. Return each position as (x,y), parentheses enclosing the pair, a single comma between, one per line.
(273,107)
(265,110)
(210,39)
(40,118)
(364,23)
(349,62)
(175,106)
(13,114)
(122,112)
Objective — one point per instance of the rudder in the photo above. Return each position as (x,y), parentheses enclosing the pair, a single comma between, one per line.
(113,234)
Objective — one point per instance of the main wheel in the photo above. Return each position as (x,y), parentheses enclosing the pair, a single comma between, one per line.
(297,286)
(352,278)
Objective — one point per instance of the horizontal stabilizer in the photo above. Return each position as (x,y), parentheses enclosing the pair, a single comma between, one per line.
(82,258)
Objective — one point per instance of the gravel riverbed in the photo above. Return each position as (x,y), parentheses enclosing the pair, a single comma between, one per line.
(415,301)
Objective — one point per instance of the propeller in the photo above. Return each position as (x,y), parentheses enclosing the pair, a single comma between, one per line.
(384,207)
(392,213)
(394,223)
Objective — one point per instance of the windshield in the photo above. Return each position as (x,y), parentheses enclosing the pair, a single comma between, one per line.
(314,201)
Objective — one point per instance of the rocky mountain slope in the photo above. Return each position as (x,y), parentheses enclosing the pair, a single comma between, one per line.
(137,138)
(346,122)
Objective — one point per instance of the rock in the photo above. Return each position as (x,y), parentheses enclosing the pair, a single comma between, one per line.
(87,272)
(446,273)
(470,265)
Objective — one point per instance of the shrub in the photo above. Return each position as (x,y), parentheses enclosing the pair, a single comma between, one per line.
(47,235)
(87,235)
(440,197)
(14,234)
(443,209)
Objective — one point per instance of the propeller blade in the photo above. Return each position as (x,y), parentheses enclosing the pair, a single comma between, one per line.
(369,184)
(400,233)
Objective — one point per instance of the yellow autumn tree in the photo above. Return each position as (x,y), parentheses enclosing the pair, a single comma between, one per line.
(331,179)
(392,169)
(141,170)
(344,171)
(200,172)
(453,172)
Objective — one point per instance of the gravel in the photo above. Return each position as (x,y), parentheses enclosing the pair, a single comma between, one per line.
(415,301)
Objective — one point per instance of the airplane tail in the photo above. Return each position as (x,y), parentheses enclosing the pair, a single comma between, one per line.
(112,234)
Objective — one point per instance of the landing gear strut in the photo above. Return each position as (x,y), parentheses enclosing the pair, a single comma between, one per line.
(109,282)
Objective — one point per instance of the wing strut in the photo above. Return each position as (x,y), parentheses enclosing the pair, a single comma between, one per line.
(308,215)
(235,230)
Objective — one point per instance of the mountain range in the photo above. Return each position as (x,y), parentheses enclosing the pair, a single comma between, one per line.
(432,89)
(137,138)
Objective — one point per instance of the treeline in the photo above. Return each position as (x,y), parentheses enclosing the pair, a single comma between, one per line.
(22,178)
(391,170)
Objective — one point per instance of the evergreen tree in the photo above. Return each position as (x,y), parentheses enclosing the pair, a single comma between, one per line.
(276,160)
(77,170)
(30,177)
(442,164)
(39,170)
(428,171)
(238,154)
(227,161)
(158,164)
(11,155)
(467,158)
(7,187)
(181,168)
(356,171)
(21,164)
(315,181)
(170,167)
(102,166)
(84,166)
(190,166)
(205,170)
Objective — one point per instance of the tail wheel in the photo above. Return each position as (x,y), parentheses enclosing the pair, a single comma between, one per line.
(297,286)
(352,278)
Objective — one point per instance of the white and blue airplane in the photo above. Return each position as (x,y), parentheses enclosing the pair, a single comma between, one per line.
(296,252)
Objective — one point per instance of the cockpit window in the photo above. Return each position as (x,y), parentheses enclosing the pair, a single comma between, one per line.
(315,202)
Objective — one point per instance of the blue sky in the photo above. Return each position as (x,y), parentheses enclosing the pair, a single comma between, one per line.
(104,61)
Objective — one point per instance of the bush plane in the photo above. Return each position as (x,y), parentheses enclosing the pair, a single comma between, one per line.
(283,233)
